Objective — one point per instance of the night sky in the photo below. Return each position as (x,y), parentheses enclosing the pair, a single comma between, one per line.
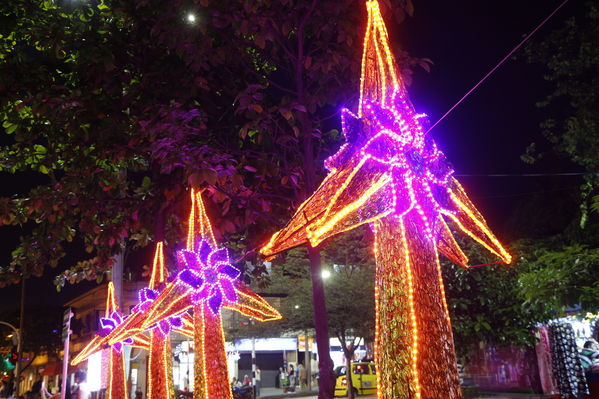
(485,135)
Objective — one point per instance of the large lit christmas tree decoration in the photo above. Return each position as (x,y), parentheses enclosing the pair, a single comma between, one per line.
(117,380)
(206,283)
(391,175)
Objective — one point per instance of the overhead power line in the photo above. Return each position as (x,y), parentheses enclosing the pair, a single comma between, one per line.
(499,64)
(523,174)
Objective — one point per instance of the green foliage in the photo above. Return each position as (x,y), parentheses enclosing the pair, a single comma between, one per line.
(487,304)
(112,109)
(100,102)
(570,55)
(562,277)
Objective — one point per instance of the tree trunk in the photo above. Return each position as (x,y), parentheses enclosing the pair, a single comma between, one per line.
(414,350)
(326,380)
(348,375)
(308,362)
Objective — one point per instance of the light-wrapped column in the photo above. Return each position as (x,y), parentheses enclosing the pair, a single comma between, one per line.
(211,373)
(414,345)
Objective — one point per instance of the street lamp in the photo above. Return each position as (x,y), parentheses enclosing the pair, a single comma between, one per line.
(325,274)
(191,18)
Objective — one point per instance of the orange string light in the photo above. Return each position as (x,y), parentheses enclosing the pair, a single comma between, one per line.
(390,175)
(173,302)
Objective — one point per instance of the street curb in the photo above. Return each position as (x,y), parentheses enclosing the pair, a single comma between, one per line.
(290,395)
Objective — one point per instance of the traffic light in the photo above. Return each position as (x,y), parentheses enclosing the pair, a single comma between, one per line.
(6,363)
(13,357)
(66,323)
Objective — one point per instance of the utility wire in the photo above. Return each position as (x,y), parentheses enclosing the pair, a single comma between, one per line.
(499,64)
(523,174)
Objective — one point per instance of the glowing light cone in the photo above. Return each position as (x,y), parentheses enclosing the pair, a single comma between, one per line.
(206,282)
(392,176)
(117,380)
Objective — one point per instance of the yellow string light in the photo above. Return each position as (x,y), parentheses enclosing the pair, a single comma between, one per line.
(174,301)
(388,174)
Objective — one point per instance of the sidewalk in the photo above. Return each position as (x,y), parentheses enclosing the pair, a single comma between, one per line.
(276,393)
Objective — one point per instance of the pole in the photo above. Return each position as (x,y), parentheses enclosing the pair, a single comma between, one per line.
(65,356)
(254,365)
(308,363)
(20,342)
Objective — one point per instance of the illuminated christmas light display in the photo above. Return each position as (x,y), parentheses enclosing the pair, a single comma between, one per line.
(160,375)
(391,175)
(117,379)
(205,283)
(160,363)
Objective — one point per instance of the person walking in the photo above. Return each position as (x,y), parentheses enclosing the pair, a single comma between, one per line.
(258,381)
(291,376)
(303,376)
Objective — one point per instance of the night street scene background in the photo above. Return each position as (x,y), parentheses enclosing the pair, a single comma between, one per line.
(155,148)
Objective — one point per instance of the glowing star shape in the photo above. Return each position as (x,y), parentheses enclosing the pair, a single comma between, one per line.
(391,175)
(206,283)
(117,380)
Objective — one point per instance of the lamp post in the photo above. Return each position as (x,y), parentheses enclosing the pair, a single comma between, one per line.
(19,351)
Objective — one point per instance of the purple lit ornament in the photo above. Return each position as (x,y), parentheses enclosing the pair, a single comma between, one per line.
(208,272)
(107,324)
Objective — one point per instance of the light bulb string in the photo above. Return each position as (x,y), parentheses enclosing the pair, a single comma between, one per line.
(499,64)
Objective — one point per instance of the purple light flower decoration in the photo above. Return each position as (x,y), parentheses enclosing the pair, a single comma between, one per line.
(108,324)
(146,297)
(393,139)
(207,270)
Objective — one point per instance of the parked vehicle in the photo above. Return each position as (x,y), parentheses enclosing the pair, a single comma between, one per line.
(363,379)
(244,392)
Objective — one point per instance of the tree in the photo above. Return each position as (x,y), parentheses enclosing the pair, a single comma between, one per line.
(114,108)
(561,269)
(350,293)
(100,102)
(310,65)
(487,303)
(570,56)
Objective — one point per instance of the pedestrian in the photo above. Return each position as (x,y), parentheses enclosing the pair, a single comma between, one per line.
(258,379)
(303,376)
(291,376)
(36,390)
(246,381)
(81,390)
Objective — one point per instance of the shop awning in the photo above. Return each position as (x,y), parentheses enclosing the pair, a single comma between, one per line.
(52,369)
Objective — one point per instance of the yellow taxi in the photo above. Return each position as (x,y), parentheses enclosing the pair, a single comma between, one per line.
(363,379)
